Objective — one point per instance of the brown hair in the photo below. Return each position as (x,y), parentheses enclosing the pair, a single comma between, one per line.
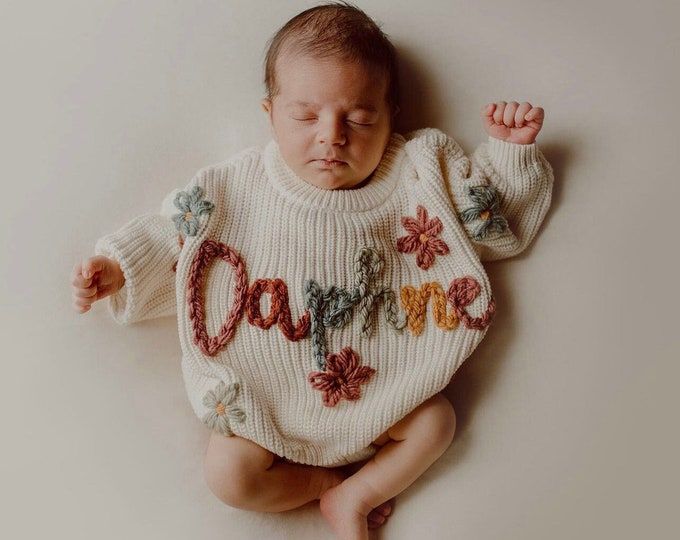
(335,29)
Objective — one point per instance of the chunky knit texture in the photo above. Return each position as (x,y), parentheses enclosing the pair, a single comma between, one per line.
(312,320)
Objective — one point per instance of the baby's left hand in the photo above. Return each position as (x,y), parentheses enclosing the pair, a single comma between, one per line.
(512,122)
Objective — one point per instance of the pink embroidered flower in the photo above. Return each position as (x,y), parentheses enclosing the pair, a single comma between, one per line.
(342,378)
(422,238)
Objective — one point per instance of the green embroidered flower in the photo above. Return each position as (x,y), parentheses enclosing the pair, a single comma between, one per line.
(192,207)
(222,412)
(487,208)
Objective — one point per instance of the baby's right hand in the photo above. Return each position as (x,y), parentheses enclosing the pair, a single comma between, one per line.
(93,279)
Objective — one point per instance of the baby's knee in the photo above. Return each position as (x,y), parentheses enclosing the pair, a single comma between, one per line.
(231,468)
(229,484)
(440,418)
(433,421)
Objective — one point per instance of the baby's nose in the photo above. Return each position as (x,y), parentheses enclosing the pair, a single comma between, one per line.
(332,132)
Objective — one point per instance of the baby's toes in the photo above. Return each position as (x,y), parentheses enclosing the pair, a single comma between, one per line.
(378,515)
(375,522)
(385,508)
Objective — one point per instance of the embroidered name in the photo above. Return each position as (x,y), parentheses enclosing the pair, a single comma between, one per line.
(329,307)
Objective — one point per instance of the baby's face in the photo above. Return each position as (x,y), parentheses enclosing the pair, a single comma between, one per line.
(329,109)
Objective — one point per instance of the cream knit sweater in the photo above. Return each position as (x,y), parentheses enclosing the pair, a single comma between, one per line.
(312,320)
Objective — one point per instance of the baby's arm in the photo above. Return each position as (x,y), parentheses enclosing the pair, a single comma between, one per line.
(141,257)
(502,193)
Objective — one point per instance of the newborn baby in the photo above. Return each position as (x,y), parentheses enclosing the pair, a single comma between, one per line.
(347,231)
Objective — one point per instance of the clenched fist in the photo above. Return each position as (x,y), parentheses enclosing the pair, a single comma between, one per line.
(93,279)
(512,122)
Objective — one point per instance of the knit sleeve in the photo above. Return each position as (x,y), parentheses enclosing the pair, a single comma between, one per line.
(501,194)
(147,249)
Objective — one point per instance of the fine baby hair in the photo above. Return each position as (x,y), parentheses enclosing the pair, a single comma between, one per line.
(335,29)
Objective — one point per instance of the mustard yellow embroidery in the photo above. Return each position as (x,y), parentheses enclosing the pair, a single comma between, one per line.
(414,301)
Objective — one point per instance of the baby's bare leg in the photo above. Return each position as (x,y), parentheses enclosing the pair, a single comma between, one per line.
(244,475)
(418,440)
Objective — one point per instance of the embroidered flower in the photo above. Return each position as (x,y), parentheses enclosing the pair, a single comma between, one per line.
(222,411)
(487,208)
(422,238)
(192,207)
(342,378)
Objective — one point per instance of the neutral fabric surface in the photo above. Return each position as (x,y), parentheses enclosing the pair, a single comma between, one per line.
(567,411)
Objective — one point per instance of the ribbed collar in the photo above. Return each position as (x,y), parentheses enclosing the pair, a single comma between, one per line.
(373,193)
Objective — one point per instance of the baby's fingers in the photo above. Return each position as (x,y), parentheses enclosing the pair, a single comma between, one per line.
(93,265)
(536,114)
(105,290)
(509,114)
(521,113)
(89,292)
(499,111)
(82,304)
(487,114)
(488,109)
(77,278)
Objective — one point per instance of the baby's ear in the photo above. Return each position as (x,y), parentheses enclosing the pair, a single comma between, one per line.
(266,105)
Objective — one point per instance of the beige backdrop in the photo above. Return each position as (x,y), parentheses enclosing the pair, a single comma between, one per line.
(567,413)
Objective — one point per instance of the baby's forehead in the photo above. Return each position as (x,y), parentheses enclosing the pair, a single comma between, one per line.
(320,66)
(306,88)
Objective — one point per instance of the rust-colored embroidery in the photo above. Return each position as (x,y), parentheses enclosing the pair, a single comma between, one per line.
(246,300)
(279,310)
(422,238)
(342,377)
(208,251)
(463,292)
(414,302)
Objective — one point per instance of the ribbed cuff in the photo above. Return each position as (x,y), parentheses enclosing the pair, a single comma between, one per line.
(145,249)
(511,157)
(119,304)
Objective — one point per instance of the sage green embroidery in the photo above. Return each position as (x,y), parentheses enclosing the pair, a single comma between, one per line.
(192,206)
(487,208)
(332,307)
(222,411)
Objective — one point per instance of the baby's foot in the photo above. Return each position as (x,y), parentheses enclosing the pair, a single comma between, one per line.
(348,515)
(378,516)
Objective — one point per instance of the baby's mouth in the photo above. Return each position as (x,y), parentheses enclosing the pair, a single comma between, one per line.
(328,163)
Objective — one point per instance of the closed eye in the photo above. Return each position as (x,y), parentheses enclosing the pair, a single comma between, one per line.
(350,121)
